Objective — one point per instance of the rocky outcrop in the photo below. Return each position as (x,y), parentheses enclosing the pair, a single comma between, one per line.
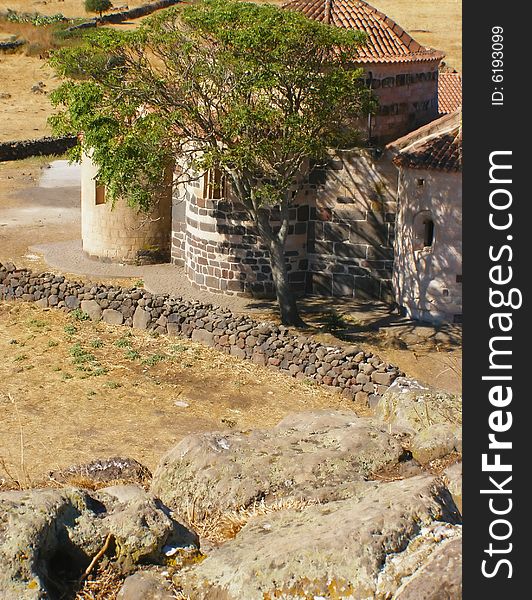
(333,550)
(452,476)
(104,470)
(410,404)
(48,537)
(436,441)
(319,455)
(307,509)
(146,585)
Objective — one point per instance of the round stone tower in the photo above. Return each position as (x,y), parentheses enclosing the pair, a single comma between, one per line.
(402,73)
(119,233)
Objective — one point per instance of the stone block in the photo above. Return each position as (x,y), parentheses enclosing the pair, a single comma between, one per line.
(112,317)
(92,308)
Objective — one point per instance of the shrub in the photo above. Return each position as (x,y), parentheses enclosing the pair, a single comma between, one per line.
(97,6)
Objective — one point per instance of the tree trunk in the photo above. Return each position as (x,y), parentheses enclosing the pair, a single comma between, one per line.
(285,296)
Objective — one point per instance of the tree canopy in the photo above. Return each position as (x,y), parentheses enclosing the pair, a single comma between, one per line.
(251,89)
(99,6)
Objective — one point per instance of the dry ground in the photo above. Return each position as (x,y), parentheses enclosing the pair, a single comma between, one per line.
(72,391)
(68,8)
(436,24)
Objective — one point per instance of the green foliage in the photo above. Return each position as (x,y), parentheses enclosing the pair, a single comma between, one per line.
(152,360)
(132,354)
(98,6)
(79,315)
(123,343)
(251,89)
(34,18)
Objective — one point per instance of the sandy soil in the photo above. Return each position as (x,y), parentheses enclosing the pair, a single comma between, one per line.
(434,24)
(24,113)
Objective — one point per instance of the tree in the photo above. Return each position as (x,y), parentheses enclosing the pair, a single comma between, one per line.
(250,89)
(98,6)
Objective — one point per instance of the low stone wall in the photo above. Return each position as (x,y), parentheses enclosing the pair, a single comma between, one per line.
(361,375)
(45,146)
(12,45)
(124,15)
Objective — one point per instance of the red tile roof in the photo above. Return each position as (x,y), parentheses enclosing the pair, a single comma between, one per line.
(449,92)
(387,41)
(437,146)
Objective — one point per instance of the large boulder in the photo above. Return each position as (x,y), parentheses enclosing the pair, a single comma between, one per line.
(439,577)
(434,442)
(48,537)
(414,406)
(430,567)
(318,455)
(452,476)
(336,549)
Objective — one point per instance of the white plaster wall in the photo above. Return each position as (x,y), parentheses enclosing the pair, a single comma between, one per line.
(427,282)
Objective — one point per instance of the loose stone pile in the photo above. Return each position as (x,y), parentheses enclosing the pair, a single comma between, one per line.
(363,376)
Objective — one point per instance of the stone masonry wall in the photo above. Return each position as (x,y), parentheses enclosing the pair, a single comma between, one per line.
(220,247)
(428,279)
(407,95)
(351,231)
(20,149)
(360,375)
(340,241)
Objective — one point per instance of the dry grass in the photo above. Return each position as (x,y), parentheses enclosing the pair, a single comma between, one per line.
(103,584)
(220,528)
(85,391)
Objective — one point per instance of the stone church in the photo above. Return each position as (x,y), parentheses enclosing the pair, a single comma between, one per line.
(362,227)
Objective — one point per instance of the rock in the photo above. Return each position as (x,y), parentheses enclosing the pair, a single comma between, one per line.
(452,477)
(382,378)
(145,585)
(203,336)
(428,547)
(124,493)
(141,318)
(103,470)
(414,406)
(71,302)
(315,550)
(91,308)
(433,442)
(309,455)
(112,316)
(141,528)
(48,537)
(440,577)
